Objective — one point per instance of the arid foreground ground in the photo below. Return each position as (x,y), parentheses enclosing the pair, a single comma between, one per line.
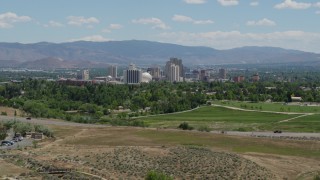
(129,153)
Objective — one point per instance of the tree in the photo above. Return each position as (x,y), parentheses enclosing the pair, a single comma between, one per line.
(3,132)
(154,175)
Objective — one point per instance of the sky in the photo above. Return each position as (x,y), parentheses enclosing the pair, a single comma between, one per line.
(220,24)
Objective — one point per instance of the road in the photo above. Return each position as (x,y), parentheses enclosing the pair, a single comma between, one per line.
(283,135)
(43,121)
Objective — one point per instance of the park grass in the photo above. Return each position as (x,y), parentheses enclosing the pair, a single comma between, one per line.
(310,123)
(276,107)
(217,118)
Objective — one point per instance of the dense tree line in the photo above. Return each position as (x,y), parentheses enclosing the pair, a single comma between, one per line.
(42,98)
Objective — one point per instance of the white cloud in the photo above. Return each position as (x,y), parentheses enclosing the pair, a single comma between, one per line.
(93,38)
(256,3)
(53,24)
(228,2)
(317,4)
(156,22)
(182,18)
(115,26)
(8,19)
(317,12)
(203,22)
(291,4)
(262,22)
(195,1)
(112,27)
(300,40)
(80,20)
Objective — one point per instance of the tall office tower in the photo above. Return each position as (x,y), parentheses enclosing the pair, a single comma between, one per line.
(155,72)
(222,74)
(255,77)
(112,71)
(85,74)
(204,75)
(132,75)
(174,70)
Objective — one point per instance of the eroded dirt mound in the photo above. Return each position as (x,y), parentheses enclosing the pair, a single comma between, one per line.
(178,162)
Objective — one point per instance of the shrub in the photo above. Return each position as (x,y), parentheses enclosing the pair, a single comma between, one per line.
(185,126)
(22,128)
(42,129)
(153,175)
(4,114)
(119,122)
(316,177)
(204,128)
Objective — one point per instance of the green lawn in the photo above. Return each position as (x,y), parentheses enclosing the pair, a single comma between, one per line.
(309,123)
(277,107)
(218,118)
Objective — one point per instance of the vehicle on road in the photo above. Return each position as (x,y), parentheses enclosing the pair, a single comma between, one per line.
(277,131)
(28,118)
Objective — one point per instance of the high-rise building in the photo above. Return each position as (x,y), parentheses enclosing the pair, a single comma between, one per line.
(204,75)
(222,73)
(112,71)
(255,77)
(132,75)
(238,79)
(155,72)
(85,74)
(174,70)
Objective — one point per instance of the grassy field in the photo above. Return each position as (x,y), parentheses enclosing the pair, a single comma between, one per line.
(128,153)
(309,123)
(127,136)
(277,107)
(218,118)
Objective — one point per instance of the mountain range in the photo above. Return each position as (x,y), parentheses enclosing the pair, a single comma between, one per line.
(100,54)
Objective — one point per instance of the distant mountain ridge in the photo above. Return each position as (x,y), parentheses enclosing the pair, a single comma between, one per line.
(139,52)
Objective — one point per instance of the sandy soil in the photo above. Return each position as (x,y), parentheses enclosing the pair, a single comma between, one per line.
(10,170)
(286,167)
(10,111)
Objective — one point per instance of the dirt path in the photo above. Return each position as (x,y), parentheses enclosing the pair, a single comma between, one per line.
(167,113)
(252,110)
(92,175)
(286,120)
(57,141)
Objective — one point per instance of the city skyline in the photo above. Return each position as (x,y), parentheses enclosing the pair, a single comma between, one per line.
(220,24)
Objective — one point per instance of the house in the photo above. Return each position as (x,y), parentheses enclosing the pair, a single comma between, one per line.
(296,99)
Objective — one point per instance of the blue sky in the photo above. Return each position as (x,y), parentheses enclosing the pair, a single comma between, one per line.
(221,24)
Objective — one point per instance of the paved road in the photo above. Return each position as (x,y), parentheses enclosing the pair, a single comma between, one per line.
(20,144)
(47,122)
(287,135)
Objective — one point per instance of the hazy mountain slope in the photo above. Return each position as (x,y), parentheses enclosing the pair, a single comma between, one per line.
(146,52)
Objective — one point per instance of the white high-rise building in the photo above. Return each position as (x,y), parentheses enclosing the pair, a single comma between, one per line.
(132,75)
(112,71)
(174,70)
(85,74)
(174,73)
